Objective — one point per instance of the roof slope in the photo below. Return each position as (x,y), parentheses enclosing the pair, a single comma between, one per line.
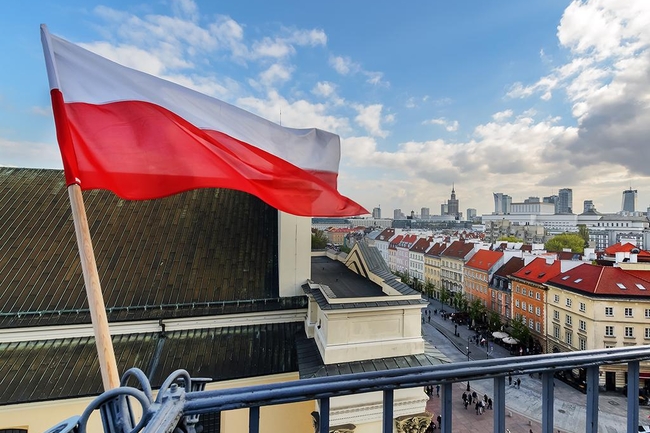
(458,250)
(193,253)
(604,280)
(28,373)
(539,270)
(484,259)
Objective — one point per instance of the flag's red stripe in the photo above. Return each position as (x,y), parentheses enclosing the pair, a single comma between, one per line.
(142,151)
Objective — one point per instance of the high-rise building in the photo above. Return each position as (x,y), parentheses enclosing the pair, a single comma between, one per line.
(565,201)
(588,205)
(552,199)
(376,213)
(502,203)
(452,203)
(629,200)
(398,215)
(471,214)
(532,199)
(424,213)
(444,209)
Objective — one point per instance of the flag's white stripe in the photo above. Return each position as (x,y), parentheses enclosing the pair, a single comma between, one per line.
(86,77)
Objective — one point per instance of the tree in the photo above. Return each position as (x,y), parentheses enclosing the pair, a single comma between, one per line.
(318,240)
(428,288)
(583,231)
(494,321)
(476,309)
(573,241)
(444,295)
(519,330)
(460,301)
(510,239)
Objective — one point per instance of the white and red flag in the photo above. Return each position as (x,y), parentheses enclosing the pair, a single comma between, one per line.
(143,137)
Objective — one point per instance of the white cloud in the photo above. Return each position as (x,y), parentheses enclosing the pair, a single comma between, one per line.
(502,115)
(276,73)
(324,88)
(450,126)
(370,119)
(344,65)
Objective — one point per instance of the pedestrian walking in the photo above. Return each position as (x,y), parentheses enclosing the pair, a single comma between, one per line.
(489,403)
(439,419)
(518,383)
(464,397)
(438,390)
(476,406)
(466,403)
(509,379)
(474,397)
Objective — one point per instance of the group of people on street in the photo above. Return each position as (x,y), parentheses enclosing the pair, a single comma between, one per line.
(428,390)
(480,404)
(517,382)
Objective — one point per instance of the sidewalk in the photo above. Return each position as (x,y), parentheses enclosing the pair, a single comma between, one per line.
(524,404)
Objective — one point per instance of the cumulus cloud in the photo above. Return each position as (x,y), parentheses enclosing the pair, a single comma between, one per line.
(369,117)
(449,125)
(502,115)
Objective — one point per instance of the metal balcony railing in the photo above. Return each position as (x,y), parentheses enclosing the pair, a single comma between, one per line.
(177,407)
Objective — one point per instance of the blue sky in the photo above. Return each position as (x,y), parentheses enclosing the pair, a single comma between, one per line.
(518,97)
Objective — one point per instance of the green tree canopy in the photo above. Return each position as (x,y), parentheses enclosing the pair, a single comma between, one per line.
(566,240)
(510,239)
(583,231)
(476,309)
(519,330)
(318,240)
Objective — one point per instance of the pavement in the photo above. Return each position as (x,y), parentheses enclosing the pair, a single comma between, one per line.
(524,404)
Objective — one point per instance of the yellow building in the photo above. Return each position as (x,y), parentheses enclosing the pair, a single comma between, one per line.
(596,307)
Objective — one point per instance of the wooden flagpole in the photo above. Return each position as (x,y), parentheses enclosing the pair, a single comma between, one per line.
(106,355)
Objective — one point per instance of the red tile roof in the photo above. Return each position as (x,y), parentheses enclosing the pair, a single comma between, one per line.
(539,271)
(625,248)
(386,235)
(604,280)
(458,250)
(436,249)
(511,266)
(395,241)
(421,245)
(484,259)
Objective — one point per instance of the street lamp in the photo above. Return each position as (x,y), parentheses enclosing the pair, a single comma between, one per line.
(468,352)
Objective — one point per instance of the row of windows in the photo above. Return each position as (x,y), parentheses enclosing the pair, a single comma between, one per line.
(528,292)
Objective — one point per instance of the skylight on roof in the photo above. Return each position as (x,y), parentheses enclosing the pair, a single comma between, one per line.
(541,274)
(621,286)
(640,286)
(527,272)
(566,277)
(578,280)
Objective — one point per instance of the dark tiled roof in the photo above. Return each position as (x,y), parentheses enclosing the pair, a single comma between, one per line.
(208,248)
(311,364)
(66,368)
(458,250)
(510,267)
(342,281)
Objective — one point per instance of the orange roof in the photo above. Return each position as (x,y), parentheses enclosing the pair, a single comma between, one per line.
(484,259)
(625,248)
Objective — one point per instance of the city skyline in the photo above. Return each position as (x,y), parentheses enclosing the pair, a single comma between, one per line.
(523,98)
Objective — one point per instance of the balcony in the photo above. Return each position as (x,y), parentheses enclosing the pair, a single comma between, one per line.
(176,406)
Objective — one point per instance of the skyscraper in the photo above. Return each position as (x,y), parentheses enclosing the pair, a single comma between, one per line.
(588,205)
(398,215)
(452,203)
(502,203)
(552,199)
(471,213)
(376,213)
(565,201)
(629,200)
(424,213)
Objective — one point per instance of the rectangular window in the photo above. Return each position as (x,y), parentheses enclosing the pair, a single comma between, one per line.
(538,327)
(647,333)
(628,312)
(556,315)
(629,331)
(537,296)
(609,331)
(530,323)
(517,303)
(569,338)
(523,291)
(568,302)
(583,325)
(523,305)
(647,313)
(568,320)
(556,331)
(609,311)
(538,311)
(556,298)
(582,344)
(530,308)
(530,293)
(583,307)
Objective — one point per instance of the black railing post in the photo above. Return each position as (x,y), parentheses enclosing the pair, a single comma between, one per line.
(324,420)
(547,401)
(632,396)
(389,398)
(254,419)
(499,404)
(592,400)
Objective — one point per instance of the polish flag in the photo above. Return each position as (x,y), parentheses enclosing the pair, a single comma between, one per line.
(143,137)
